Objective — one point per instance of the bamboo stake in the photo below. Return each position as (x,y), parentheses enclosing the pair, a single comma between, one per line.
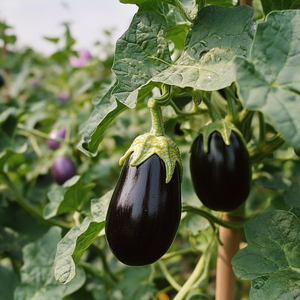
(246,2)
(225,278)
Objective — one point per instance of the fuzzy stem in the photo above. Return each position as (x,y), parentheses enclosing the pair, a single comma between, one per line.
(168,276)
(212,110)
(232,111)
(225,278)
(213,219)
(29,131)
(194,111)
(157,128)
(177,253)
(262,129)
(259,153)
(192,279)
(179,6)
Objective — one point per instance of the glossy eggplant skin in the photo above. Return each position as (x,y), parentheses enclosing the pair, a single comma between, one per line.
(144,213)
(221,177)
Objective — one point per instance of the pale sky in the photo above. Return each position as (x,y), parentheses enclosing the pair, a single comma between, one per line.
(33,19)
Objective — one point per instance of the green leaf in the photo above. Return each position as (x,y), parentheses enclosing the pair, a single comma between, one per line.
(72,246)
(271,259)
(192,224)
(99,207)
(52,40)
(271,182)
(292,197)
(106,110)
(8,124)
(136,283)
(66,198)
(9,241)
(189,7)
(8,146)
(225,3)
(178,27)
(141,53)
(8,152)
(270,80)
(37,278)
(8,280)
(269,5)
(216,37)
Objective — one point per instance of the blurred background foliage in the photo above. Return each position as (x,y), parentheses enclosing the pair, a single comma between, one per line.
(40,93)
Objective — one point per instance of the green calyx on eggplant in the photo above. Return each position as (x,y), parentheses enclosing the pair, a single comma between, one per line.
(144,212)
(220,167)
(145,145)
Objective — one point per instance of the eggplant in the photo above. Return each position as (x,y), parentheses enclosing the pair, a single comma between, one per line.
(63,169)
(144,212)
(222,176)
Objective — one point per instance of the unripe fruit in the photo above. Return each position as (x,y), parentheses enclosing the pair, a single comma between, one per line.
(63,169)
(56,133)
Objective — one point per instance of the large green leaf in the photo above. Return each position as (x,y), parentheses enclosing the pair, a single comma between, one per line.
(66,198)
(269,5)
(8,280)
(37,278)
(141,53)
(269,81)
(72,246)
(106,110)
(189,7)
(79,238)
(272,258)
(177,26)
(8,145)
(137,283)
(8,125)
(217,36)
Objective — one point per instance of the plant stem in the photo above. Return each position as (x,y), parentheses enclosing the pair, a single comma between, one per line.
(179,6)
(232,111)
(177,253)
(262,129)
(205,273)
(213,219)
(27,206)
(39,133)
(225,278)
(245,119)
(194,276)
(194,111)
(212,110)
(257,154)
(168,276)
(157,128)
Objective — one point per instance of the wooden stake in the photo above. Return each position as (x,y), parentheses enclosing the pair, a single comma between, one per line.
(246,2)
(225,278)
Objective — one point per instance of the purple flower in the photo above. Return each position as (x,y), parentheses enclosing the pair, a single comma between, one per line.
(63,169)
(81,61)
(54,134)
(64,96)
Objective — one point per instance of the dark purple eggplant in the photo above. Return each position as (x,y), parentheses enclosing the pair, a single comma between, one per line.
(221,177)
(144,212)
(2,82)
